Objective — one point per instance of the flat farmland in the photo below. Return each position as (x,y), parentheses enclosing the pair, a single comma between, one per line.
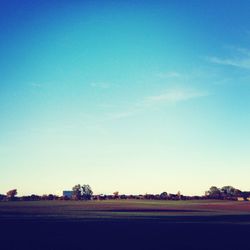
(122,209)
(125,224)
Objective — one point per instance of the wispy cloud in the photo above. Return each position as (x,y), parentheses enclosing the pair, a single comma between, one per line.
(236,62)
(100,85)
(170,74)
(123,114)
(174,96)
(243,51)
(170,96)
(240,59)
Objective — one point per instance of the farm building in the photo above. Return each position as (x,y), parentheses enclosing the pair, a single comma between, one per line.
(68,194)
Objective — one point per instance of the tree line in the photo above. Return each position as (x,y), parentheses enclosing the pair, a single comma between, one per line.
(84,192)
(226,192)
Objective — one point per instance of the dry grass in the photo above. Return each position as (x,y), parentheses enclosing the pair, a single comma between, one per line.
(122,208)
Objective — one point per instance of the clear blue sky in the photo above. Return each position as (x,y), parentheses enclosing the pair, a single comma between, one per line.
(129,96)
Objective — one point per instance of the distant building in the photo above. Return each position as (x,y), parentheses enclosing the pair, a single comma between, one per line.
(68,194)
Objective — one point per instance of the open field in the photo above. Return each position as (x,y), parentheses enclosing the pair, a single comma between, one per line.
(125,224)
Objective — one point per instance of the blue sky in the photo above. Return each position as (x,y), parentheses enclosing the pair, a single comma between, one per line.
(129,96)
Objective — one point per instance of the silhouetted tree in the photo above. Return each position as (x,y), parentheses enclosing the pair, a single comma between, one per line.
(82,192)
(76,192)
(164,195)
(179,195)
(86,192)
(214,192)
(116,195)
(11,194)
(245,195)
(2,197)
(229,191)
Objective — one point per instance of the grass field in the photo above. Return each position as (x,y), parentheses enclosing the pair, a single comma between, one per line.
(122,209)
(124,224)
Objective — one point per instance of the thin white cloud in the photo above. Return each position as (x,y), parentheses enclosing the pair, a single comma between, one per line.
(174,96)
(243,51)
(238,50)
(100,85)
(124,114)
(240,58)
(167,97)
(239,62)
(170,74)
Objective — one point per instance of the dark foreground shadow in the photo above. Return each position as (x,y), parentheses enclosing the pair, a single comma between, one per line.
(184,233)
(153,211)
